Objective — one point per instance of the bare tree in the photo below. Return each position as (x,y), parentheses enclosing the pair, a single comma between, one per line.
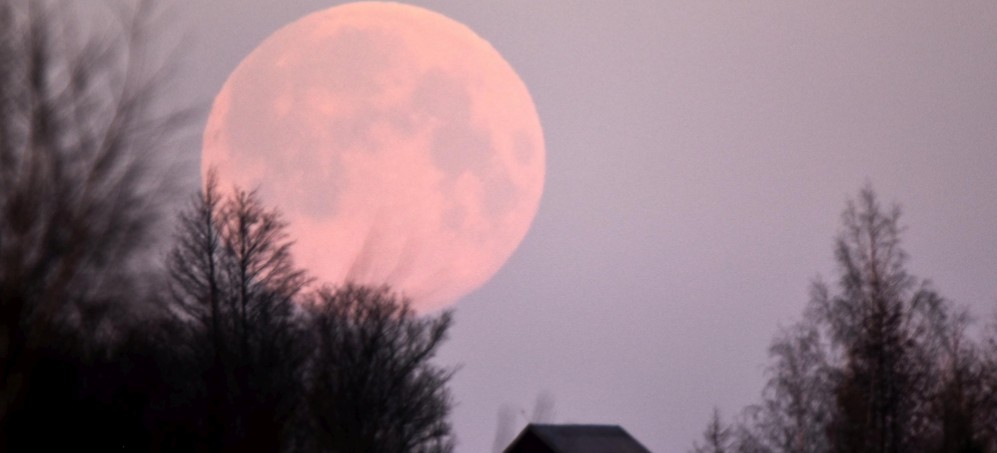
(989,385)
(872,321)
(879,363)
(717,437)
(372,385)
(797,402)
(79,136)
(960,388)
(233,279)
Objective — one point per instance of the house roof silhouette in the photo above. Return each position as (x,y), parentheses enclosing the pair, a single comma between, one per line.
(536,438)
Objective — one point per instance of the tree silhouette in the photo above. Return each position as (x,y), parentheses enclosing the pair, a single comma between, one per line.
(879,363)
(79,136)
(371,385)
(960,401)
(988,416)
(797,401)
(344,370)
(716,437)
(872,319)
(233,280)
(103,345)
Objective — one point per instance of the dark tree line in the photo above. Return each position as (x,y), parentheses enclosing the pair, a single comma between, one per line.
(371,350)
(879,363)
(75,212)
(221,344)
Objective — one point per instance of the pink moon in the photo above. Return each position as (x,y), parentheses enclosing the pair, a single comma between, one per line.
(401,148)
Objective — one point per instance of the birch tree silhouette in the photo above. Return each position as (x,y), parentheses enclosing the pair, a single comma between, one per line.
(880,361)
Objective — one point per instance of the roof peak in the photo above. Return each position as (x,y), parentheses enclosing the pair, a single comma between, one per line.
(572,438)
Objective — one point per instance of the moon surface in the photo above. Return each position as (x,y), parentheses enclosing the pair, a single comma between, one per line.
(401,148)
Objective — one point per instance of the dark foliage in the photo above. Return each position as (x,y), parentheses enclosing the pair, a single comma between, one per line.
(716,436)
(78,200)
(872,319)
(131,394)
(102,348)
(797,401)
(880,363)
(245,361)
(371,386)
(234,285)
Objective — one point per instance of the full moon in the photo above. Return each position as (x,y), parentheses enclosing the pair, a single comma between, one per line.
(401,148)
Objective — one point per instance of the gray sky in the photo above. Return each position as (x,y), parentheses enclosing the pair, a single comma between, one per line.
(699,154)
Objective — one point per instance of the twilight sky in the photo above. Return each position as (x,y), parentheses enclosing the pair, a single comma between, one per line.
(699,155)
